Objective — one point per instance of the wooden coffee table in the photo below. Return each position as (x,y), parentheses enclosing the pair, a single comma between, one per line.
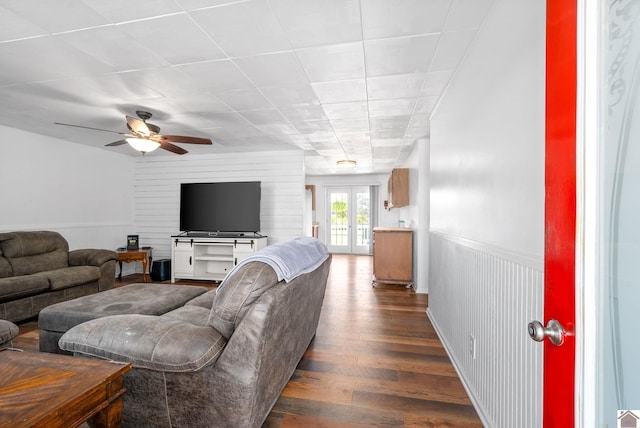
(49,390)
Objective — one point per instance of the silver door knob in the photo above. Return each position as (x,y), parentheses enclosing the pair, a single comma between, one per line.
(554,331)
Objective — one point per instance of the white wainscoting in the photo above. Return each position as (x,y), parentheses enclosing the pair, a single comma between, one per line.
(157,192)
(490,294)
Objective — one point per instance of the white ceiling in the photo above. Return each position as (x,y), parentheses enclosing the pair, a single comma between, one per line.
(354,79)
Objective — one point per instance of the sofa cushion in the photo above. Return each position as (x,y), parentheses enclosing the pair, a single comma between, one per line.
(237,292)
(15,287)
(5,267)
(193,314)
(146,341)
(70,276)
(204,300)
(30,252)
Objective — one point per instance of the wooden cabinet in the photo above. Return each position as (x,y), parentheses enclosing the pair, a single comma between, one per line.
(210,258)
(398,188)
(392,256)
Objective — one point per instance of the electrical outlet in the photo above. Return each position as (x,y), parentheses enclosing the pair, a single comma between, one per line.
(472,347)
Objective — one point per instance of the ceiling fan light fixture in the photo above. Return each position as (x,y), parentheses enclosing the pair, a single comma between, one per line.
(348,163)
(142,145)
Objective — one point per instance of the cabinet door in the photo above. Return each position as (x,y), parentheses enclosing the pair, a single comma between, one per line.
(182,259)
(392,256)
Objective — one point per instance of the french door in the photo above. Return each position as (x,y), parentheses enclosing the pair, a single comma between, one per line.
(349,220)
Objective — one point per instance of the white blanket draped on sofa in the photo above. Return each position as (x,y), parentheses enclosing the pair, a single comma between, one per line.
(289,259)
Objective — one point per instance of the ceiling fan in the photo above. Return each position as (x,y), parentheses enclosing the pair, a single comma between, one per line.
(145,137)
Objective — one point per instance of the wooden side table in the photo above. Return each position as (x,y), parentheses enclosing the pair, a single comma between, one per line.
(143,255)
(49,390)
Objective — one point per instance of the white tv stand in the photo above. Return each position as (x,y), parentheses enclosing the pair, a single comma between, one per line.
(210,257)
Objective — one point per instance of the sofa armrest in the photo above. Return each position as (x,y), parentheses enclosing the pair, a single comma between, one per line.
(146,341)
(90,257)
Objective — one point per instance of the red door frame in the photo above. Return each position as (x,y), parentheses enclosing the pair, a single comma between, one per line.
(560,209)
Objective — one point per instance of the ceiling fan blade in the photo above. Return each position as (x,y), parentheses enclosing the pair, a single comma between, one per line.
(116,143)
(138,126)
(184,139)
(172,148)
(88,127)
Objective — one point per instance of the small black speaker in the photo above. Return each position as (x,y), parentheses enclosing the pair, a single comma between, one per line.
(161,270)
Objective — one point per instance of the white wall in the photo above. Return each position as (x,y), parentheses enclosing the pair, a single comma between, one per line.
(487,214)
(157,192)
(82,192)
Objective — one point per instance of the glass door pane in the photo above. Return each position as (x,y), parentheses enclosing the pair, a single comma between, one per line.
(339,221)
(362,238)
(618,342)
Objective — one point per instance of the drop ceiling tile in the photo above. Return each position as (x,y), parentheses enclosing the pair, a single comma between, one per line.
(400,55)
(394,87)
(386,133)
(322,139)
(350,125)
(386,142)
(126,10)
(243,29)
(340,91)
(201,103)
(355,110)
(467,14)
(245,100)
(188,43)
(354,139)
(236,131)
(168,81)
(217,76)
(49,53)
(278,129)
(333,62)
(451,49)
(264,117)
(69,15)
(229,120)
(312,23)
(398,107)
(285,97)
(384,18)
(278,69)
(312,126)
(398,123)
(304,113)
(113,47)
(14,26)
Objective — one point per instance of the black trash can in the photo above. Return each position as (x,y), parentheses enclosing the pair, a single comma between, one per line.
(161,270)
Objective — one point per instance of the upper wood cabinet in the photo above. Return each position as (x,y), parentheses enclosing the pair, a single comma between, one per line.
(398,187)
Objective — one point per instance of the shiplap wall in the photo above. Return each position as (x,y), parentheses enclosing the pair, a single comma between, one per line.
(157,192)
(484,292)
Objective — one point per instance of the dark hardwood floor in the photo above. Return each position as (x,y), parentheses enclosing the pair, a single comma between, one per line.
(375,361)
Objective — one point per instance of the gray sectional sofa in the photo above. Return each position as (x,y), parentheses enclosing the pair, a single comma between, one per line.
(37,269)
(222,359)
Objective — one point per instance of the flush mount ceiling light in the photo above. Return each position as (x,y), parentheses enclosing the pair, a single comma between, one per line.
(346,163)
(142,145)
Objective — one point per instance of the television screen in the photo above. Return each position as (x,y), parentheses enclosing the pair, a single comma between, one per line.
(220,207)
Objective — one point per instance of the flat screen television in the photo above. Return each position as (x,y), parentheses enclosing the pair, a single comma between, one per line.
(220,208)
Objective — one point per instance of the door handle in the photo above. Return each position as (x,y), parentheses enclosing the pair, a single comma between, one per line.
(554,331)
